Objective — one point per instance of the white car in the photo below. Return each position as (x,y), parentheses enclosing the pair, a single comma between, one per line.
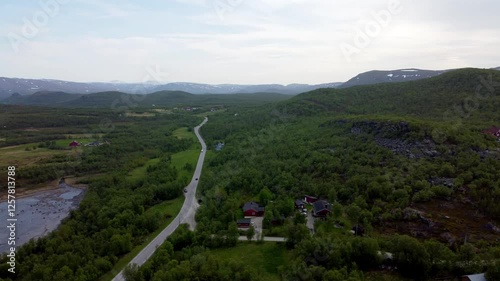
(202,150)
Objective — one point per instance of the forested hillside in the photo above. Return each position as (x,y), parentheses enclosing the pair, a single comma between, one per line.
(406,158)
(466,93)
(118,100)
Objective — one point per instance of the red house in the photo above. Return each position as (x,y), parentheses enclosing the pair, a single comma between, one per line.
(252,209)
(494,131)
(310,199)
(244,223)
(74,144)
(321,208)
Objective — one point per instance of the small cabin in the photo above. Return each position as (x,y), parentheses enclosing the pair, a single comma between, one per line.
(74,144)
(244,223)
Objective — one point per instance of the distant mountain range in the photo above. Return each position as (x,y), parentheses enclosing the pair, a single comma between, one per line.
(9,86)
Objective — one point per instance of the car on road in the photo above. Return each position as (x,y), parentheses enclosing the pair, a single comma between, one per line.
(202,150)
(185,190)
(196,179)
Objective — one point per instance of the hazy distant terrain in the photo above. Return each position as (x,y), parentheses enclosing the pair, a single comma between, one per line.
(9,86)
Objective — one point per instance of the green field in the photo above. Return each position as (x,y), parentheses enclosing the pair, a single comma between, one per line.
(179,160)
(183,133)
(170,208)
(182,158)
(265,258)
(82,141)
(18,155)
(140,172)
(209,113)
(28,154)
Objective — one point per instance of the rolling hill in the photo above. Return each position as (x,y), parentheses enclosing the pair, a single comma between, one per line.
(427,98)
(386,76)
(114,99)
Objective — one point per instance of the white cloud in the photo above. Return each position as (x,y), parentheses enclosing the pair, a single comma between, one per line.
(260,41)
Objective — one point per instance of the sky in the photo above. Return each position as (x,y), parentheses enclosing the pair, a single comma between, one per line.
(242,41)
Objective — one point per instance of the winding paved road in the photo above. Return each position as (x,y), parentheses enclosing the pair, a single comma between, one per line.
(186,215)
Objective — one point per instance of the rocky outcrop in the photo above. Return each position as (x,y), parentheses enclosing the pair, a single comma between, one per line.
(394,136)
(448,182)
(412,150)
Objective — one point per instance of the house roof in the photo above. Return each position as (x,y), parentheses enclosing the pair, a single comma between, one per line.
(321,205)
(492,131)
(252,206)
(476,277)
(299,202)
(244,221)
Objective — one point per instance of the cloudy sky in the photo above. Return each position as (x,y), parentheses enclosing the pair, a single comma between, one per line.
(242,41)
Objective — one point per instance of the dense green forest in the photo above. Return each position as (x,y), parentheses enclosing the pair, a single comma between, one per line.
(406,167)
(391,157)
(117,212)
(119,100)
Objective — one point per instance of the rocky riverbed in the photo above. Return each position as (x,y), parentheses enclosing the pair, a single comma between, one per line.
(40,213)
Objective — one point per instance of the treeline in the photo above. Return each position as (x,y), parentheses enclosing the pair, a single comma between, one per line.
(22,117)
(29,124)
(333,257)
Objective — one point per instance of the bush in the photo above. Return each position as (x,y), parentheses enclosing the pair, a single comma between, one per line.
(442,191)
(423,195)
